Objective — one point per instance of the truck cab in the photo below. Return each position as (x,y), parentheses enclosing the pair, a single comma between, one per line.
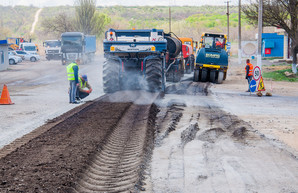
(52,49)
(28,47)
(77,45)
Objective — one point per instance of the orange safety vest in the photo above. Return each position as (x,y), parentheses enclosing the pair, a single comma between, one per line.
(251,68)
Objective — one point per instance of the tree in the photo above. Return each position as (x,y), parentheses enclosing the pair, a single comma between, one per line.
(85,13)
(100,21)
(88,20)
(58,24)
(278,13)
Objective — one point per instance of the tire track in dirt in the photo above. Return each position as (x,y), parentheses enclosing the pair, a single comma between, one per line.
(223,154)
(118,164)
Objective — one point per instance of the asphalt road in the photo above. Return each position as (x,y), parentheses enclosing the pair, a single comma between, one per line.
(40,92)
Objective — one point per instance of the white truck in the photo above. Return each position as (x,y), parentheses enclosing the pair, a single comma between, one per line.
(53,49)
(28,47)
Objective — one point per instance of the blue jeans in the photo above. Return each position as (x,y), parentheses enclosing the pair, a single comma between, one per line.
(249,78)
(72,91)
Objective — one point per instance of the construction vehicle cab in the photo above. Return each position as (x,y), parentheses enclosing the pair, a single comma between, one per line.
(212,58)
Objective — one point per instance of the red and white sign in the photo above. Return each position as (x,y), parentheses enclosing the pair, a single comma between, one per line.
(257,73)
(268,51)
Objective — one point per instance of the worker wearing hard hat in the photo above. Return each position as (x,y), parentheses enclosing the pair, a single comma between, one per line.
(84,88)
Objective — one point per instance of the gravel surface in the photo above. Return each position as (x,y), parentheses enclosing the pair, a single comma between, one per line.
(208,137)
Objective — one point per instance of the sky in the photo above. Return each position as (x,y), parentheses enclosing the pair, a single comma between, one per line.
(47,3)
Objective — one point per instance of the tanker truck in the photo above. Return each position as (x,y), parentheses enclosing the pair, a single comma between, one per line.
(140,59)
(212,59)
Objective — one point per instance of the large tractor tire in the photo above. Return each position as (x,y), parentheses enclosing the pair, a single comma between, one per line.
(188,65)
(154,75)
(196,75)
(204,75)
(111,82)
(220,77)
(192,62)
(213,76)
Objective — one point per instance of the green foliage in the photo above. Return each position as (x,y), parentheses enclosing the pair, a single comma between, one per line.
(85,15)
(279,75)
(100,20)
(17,20)
(188,21)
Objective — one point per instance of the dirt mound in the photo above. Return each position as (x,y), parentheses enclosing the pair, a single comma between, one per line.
(240,133)
(211,135)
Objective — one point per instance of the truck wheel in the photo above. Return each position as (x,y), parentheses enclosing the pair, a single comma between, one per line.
(220,77)
(192,62)
(196,75)
(187,67)
(204,75)
(32,59)
(11,61)
(225,75)
(212,76)
(154,75)
(177,76)
(170,76)
(111,76)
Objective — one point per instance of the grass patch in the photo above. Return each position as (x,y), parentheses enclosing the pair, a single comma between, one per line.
(279,75)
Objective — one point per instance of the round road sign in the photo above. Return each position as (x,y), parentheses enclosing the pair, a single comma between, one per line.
(257,73)
(253,86)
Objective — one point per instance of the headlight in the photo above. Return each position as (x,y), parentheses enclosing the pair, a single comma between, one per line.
(112,48)
(153,48)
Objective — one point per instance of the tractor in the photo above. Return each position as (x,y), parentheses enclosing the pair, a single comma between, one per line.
(141,59)
(212,59)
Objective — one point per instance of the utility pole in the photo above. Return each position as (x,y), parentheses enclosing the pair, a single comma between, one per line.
(239,33)
(260,31)
(170,18)
(228,22)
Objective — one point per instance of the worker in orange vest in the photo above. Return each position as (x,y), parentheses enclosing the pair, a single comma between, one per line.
(249,70)
(218,44)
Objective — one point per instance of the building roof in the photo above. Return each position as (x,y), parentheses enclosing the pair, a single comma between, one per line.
(3,42)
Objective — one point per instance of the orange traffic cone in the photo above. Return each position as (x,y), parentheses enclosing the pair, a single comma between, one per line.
(5,98)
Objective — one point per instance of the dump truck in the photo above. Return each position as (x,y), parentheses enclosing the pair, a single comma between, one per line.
(189,51)
(77,45)
(211,59)
(53,49)
(140,59)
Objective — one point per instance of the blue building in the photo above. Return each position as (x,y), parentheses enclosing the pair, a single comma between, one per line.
(3,55)
(272,45)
